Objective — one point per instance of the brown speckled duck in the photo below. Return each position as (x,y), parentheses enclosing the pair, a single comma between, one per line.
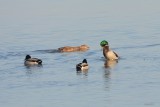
(73,49)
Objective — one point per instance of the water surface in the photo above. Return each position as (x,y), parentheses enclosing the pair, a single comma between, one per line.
(130,27)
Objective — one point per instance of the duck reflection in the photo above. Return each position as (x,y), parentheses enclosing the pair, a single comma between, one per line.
(108,66)
(110,63)
(33,69)
(83,72)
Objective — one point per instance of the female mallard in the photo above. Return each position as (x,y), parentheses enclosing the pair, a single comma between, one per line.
(32,61)
(107,52)
(73,49)
(82,66)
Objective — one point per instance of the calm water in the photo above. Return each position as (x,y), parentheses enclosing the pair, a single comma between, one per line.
(131,28)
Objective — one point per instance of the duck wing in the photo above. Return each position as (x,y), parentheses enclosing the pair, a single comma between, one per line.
(39,61)
(104,54)
(115,54)
(84,64)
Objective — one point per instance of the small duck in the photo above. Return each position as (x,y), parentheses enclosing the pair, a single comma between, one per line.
(73,49)
(82,66)
(107,52)
(32,61)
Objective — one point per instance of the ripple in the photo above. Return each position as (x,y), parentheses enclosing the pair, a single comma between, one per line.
(48,51)
(142,46)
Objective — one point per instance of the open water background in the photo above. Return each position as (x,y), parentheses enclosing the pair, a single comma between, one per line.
(132,28)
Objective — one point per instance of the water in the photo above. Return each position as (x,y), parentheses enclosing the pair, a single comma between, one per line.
(130,27)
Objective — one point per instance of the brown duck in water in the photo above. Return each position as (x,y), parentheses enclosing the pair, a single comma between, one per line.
(73,49)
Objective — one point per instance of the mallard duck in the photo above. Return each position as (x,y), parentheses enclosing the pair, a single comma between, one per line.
(82,66)
(73,48)
(107,52)
(32,61)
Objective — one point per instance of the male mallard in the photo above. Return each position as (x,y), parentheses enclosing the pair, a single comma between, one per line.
(107,52)
(82,66)
(32,61)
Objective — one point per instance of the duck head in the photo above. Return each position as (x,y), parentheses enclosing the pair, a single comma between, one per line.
(103,43)
(27,57)
(84,61)
(84,47)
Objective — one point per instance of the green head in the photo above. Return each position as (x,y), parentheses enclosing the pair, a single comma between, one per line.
(103,43)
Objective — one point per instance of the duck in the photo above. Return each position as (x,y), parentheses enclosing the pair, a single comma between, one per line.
(32,61)
(82,66)
(74,48)
(107,52)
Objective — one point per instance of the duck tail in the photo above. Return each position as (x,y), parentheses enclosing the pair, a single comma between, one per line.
(78,67)
(39,61)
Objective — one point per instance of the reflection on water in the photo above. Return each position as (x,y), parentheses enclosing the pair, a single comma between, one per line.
(107,78)
(28,27)
(48,51)
(110,63)
(33,69)
(108,66)
(83,72)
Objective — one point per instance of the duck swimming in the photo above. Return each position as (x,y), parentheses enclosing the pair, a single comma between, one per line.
(107,52)
(73,49)
(82,66)
(32,61)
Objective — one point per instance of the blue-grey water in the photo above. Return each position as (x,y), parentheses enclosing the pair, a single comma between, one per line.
(132,29)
